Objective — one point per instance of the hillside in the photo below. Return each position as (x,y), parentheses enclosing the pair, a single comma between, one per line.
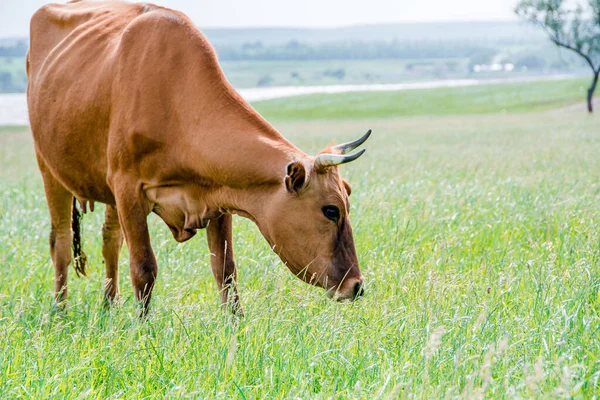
(365,54)
(475,32)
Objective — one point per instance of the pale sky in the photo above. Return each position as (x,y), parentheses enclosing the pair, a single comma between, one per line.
(15,14)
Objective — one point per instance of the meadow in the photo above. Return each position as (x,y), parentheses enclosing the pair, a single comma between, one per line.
(477,225)
(252,73)
(246,74)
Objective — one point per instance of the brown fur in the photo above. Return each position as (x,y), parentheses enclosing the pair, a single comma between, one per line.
(129,107)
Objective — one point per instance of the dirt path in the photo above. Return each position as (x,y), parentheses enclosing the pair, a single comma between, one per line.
(581,106)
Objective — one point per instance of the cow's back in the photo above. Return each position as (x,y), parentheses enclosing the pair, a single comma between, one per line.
(133,89)
(71,64)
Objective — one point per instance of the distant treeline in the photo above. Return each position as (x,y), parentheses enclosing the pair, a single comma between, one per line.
(13,78)
(417,59)
(354,50)
(295,50)
(16,48)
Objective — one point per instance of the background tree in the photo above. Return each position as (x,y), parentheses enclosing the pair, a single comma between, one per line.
(574,28)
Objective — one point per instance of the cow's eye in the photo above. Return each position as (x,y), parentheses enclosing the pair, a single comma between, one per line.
(332,213)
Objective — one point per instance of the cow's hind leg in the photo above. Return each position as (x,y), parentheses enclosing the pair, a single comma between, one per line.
(59,201)
(112,241)
(222,262)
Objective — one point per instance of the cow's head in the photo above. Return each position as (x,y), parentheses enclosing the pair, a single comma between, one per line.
(308,222)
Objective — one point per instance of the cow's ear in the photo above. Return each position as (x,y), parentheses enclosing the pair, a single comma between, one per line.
(347,186)
(296,177)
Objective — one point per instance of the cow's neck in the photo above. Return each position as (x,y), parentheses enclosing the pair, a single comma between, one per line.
(245,150)
(252,160)
(260,178)
(241,176)
(252,203)
(229,159)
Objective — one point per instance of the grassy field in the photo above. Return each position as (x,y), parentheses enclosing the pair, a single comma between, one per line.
(484,99)
(478,236)
(247,74)
(244,74)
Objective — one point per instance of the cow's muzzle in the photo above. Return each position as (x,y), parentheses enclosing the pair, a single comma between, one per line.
(350,290)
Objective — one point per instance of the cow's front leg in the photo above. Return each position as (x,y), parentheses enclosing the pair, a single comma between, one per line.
(112,241)
(133,211)
(222,263)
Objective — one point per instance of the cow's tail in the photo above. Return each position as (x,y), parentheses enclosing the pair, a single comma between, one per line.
(79,256)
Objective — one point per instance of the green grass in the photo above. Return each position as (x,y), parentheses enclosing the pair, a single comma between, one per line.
(12,128)
(243,74)
(478,236)
(506,98)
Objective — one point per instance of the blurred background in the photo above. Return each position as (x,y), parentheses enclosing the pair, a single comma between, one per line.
(268,44)
(475,215)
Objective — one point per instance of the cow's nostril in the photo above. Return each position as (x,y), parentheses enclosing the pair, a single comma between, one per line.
(359,290)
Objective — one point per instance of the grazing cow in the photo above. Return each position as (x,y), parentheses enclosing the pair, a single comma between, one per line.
(129,107)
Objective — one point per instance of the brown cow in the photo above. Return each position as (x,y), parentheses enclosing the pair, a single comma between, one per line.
(129,107)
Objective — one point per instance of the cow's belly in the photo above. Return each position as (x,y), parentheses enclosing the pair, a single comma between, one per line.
(69,109)
(74,150)
(78,173)
(73,146)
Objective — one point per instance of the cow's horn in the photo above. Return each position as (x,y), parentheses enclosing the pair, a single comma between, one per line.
(344,148)
(327,160)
